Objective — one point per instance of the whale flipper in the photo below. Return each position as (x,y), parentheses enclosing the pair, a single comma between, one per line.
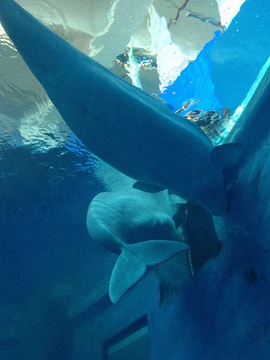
(226,155)
(133,261)
(127,271)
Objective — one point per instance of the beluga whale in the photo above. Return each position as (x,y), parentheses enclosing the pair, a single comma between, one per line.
(121,124)
(135,227)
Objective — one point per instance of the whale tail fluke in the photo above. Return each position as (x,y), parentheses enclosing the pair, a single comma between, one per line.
(133,261)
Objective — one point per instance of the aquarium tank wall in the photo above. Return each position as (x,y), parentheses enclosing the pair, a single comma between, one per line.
(134,180)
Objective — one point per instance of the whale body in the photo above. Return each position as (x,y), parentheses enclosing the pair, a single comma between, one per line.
(119,123)
(136,229)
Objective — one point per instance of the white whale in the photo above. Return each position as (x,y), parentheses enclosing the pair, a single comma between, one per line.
(138,230)
(119,123)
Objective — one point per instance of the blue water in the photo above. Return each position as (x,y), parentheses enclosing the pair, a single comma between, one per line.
(49,265)
(45,248)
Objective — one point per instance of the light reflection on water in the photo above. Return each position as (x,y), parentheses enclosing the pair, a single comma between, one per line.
(27,116)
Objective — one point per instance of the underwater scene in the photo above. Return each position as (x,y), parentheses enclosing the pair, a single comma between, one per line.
(134,180)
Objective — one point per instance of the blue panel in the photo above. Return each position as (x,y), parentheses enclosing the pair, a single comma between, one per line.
(226,68)
(195,83)
(241,52)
